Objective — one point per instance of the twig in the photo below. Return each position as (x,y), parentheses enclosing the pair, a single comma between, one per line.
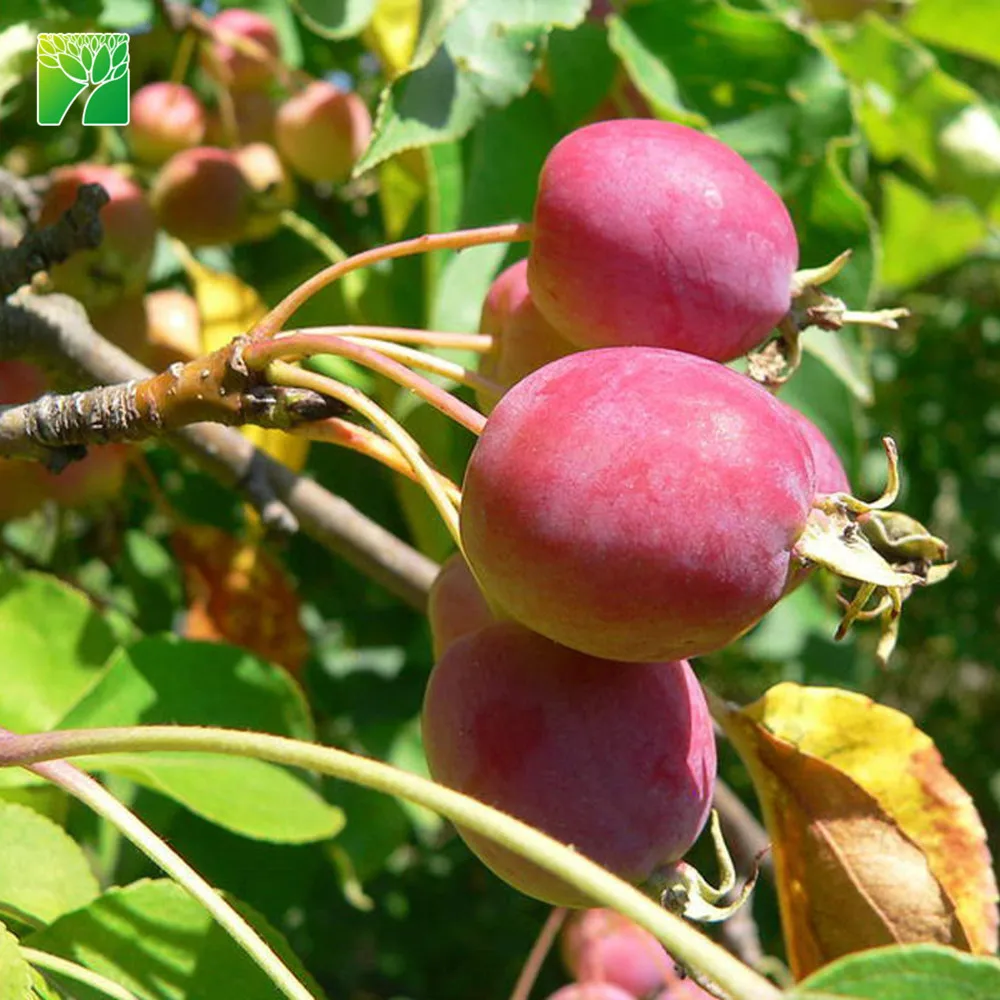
(79,228)
(54,332)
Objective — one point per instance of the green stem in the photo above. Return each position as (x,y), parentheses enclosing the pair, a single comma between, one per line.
(684,942)
(93,794)
(78,973)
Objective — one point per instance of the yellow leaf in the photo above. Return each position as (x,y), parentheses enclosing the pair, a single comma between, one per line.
(874,841)
(230,307)
(392,33)
(402,186)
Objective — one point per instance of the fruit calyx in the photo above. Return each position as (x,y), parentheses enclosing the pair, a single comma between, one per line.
(887,553)
(687,893)
(776,361)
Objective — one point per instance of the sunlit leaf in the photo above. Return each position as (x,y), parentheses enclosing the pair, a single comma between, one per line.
(156,925)
(921,236)
(335,18)
(971,27)
(43,873)
(392,33)
(489,54)
(916,972)
(15,973)
(874,841)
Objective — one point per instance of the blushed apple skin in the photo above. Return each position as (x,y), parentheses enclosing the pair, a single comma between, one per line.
(617,759)
(523,339)
(322,131)
(202,197)
(165,118)
(455,606)
(603,946)
(652,233)
(236,69)
(636,503)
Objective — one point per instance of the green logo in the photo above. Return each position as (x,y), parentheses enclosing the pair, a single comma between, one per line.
(69,64)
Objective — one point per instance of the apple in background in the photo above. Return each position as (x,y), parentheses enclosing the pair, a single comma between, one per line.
(322,131)
(253,115)
(202,197)
(99,476)
(273,189)
(238,70)
(119,266)
(456,606)
(523,339)
(165,118)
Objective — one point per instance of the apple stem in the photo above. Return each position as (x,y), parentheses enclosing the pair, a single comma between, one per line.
(687,944)
(479,343)
(282,373)
(512,232)
(260,355)
(354,437)
(539,952)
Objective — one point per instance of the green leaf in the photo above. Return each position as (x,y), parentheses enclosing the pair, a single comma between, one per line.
(489,54)
(72,67)
(53,646)
(154,939)
(971,27)
(172,681)
(43,873)
(921,236)
(335,18)
(15,973)
(916,972)
(650,75)
(903,99)
(168,681)
(101,64)
(249,797)
(581,68)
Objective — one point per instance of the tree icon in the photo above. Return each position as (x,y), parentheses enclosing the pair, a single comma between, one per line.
(69,64)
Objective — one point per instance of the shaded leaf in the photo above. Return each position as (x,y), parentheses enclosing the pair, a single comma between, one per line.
(53,645)
(489,54)
(850,873)
(43,873)
(917,972)
(15,973)
(335,18)
(239,593)
(156,925)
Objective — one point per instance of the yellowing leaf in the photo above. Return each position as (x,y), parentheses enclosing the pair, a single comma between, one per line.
(230,307)
(238,593)
(402,186)
(392,33)
(874,841)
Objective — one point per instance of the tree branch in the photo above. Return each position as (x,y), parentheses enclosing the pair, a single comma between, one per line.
(79,228)
(54,332)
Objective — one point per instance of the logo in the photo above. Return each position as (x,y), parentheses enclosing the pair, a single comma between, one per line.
(73,64)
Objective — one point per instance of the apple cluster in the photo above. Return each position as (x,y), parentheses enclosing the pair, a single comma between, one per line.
(632,502)
(216,175)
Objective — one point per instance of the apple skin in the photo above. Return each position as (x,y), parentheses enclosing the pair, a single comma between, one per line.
(166,118)
(456,606)
(235,69)
(322,131)
(617,759)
